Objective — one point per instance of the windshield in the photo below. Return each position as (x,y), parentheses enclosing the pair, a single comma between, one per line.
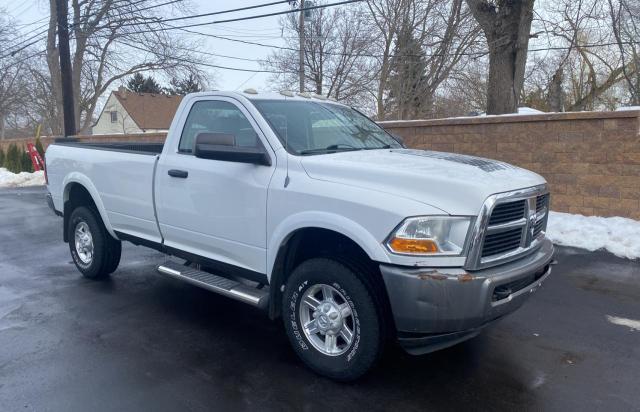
(307,128)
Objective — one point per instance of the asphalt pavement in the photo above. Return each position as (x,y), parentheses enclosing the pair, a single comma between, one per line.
(141,341)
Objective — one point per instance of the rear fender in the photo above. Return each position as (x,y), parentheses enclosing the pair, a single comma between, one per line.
(84,181)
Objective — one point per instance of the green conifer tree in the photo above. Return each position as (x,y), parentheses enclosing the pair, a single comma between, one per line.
(12,161)
(26,165)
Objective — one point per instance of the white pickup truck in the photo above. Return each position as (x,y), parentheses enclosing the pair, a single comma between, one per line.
(306,208)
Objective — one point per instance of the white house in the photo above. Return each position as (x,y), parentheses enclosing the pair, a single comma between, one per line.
(129,112)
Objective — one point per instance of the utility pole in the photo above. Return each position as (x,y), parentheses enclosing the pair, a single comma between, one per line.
(301,37)
(65,69)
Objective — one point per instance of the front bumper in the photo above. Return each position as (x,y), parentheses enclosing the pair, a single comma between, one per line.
(437,307)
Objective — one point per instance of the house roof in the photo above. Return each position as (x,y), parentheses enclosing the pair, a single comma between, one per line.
(149,110)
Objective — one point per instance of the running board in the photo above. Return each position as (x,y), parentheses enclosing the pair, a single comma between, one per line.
(218,284)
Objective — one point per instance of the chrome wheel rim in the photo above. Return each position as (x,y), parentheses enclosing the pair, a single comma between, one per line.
(84,243)
(327,320)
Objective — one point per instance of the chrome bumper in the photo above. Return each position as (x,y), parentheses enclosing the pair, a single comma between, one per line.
(438,307)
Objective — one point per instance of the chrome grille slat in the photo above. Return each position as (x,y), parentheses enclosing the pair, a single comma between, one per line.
(507,212)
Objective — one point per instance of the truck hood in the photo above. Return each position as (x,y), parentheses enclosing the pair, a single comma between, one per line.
(456,184)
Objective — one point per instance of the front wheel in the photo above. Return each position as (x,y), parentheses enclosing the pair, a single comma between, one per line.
(331,319)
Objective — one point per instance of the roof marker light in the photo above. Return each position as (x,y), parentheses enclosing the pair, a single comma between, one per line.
(287,93)
(250,91)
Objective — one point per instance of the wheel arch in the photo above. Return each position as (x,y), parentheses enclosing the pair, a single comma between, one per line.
(80,191)
(302,243)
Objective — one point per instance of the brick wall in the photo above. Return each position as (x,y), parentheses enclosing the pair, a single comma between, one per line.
(590,159)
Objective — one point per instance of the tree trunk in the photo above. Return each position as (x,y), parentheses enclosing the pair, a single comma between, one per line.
(501,94)
(507,29)
(1,127)
(555,98)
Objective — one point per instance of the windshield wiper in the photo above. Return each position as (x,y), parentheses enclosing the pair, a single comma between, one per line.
(331,149)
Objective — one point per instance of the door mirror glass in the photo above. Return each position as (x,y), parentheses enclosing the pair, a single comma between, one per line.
(218,146)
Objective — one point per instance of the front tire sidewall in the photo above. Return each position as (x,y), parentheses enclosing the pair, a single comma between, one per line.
(365,346)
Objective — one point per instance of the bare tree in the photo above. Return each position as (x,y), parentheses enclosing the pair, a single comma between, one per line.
(432,42)
(12,80)
(625,22)
(112,40)
(585,70)
(506,25)
(387,17)
(336,44)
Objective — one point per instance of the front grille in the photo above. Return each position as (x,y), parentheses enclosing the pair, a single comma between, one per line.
(511,225)
(538,227)
(542,202)
(507,212)
(501,242)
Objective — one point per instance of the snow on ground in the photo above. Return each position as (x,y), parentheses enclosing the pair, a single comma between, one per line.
(618,235)
(22,179)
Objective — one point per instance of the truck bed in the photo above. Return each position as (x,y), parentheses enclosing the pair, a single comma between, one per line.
(127,147)
(118,175)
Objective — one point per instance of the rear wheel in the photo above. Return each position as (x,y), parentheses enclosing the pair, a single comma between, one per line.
(331,319)
(95,253)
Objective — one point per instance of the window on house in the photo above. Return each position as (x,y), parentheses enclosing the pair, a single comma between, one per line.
(114,117)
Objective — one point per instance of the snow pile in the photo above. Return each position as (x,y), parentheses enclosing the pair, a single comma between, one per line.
(22,179)
(618,235)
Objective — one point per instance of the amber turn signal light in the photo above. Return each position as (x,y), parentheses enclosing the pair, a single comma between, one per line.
(403,245)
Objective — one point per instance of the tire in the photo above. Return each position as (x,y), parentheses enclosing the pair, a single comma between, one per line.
(95,253)
(114,255)
(322,345)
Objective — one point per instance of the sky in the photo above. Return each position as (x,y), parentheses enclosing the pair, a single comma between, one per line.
(265,30)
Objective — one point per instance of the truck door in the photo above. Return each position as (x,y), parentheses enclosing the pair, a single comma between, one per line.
(215,208)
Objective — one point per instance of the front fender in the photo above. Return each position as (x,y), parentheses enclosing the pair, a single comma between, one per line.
(323,220)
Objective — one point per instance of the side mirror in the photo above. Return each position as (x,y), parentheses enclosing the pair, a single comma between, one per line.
(216,148)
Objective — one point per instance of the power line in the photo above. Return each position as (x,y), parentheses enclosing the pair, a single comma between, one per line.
(477,54)
(257,16)
(215,66)
(215,13)
(14,52)
(138,10)
(71,26)
(184,28)
(22,60)
(32,23)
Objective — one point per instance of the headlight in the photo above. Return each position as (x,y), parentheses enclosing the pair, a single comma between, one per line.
(430,235)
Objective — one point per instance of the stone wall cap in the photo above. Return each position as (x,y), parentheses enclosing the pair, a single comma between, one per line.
(513,118)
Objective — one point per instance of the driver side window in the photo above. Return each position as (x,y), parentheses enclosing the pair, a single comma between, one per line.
(215,117)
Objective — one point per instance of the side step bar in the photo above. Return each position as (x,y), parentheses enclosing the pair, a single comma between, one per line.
(218,284)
